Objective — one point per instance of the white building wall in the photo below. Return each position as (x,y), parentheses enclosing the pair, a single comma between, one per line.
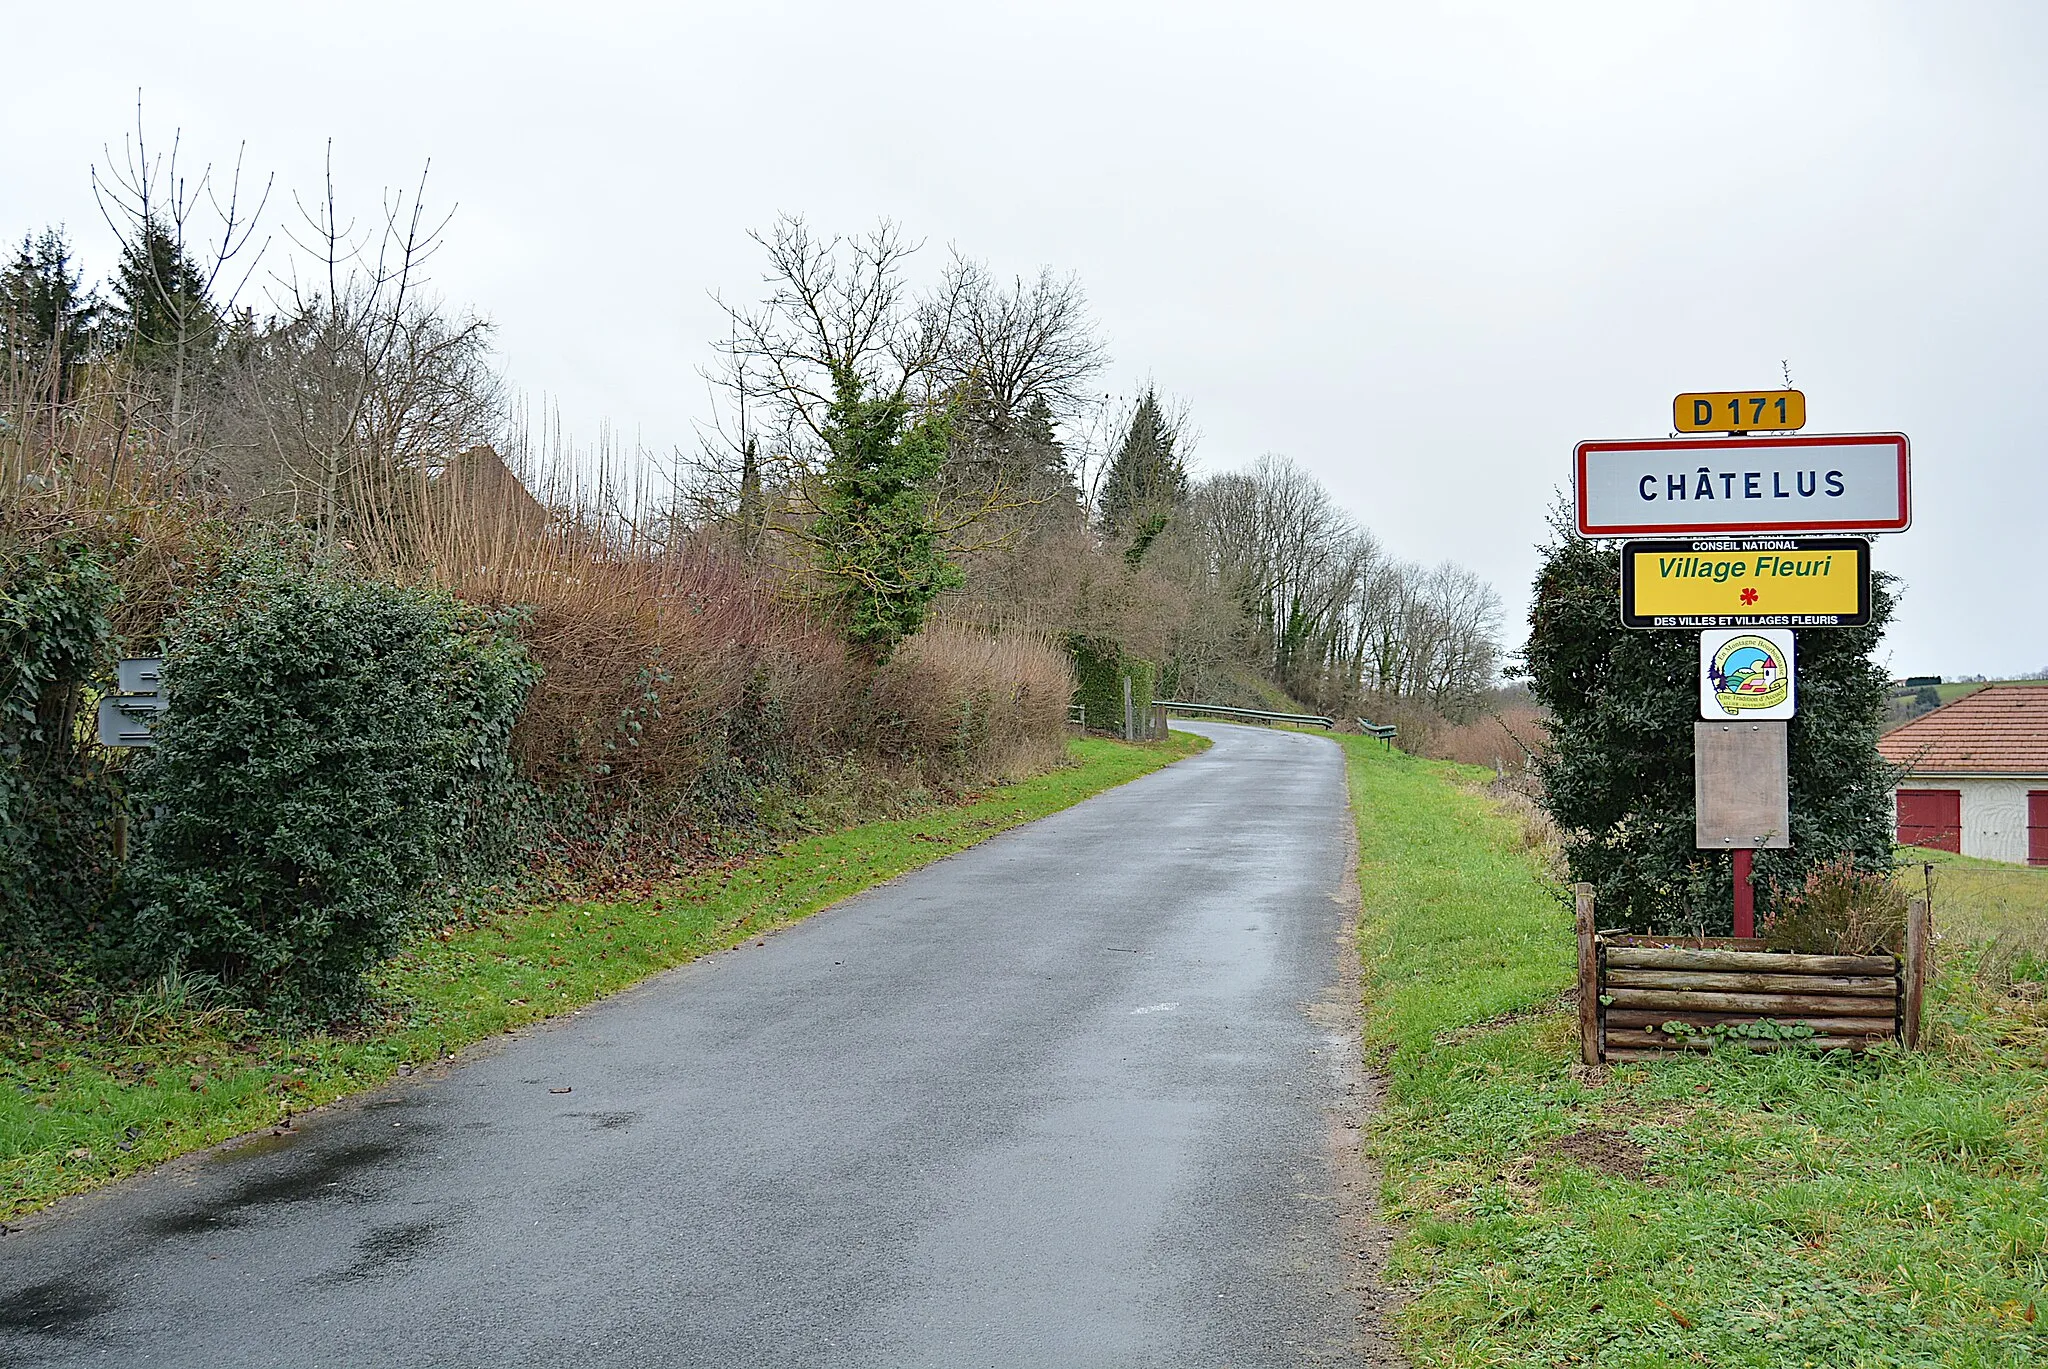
(1994,813)
(1995,817)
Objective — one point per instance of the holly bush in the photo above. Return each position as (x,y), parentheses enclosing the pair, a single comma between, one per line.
(1618,776)
(335,746)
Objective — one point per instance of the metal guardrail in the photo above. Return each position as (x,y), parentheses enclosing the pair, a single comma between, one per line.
(1259,714)
(1385,732)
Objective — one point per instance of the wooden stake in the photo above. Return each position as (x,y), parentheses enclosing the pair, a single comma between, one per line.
(1589,976)
(1915,972)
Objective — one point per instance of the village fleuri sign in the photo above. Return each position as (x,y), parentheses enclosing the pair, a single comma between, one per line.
(1781,582)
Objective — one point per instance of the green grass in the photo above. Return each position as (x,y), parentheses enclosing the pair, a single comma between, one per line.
(1979,899)
(1727,1210)
(150,1079)
(1956,689)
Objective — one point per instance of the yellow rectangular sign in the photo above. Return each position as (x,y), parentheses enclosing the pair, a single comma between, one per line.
(1759,582)
(1740,411)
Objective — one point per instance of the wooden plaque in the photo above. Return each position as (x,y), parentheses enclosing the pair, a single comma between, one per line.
(1739,786)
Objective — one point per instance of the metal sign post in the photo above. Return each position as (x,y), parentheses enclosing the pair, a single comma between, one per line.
(1750,568)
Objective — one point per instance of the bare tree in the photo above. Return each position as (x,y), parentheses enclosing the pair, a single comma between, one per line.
(146,196)
(1020,342)
(838,318)
(1332,617)
(361,383)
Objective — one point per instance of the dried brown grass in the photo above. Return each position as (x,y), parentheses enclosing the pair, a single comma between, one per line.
(972,701)
(1500,740)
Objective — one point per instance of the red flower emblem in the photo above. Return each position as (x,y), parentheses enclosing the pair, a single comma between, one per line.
(1749,596)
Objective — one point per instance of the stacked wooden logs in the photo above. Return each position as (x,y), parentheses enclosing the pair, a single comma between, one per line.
(1630,987)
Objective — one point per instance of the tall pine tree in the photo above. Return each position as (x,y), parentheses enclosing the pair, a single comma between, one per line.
(47,317)
(1146,480)
(161,299)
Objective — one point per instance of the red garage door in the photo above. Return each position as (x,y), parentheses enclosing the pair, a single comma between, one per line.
(2037,827)
(1931,817)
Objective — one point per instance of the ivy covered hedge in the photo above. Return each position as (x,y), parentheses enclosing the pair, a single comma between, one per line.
(334,757)
(56,796)
(1100,668)
(1618,777)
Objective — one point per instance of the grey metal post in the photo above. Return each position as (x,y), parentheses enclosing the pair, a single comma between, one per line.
(1130,723)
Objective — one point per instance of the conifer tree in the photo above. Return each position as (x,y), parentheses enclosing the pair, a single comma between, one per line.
(161,299)
(47,317)
(1145,481)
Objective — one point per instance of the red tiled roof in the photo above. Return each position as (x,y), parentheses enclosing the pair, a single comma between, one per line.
(1999,730)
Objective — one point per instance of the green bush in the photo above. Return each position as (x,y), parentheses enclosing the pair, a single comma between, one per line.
(1099,670)
(55,801)
(1618,775)
(333,749)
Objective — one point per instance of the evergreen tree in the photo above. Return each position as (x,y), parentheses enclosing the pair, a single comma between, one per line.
(1038,455)
(875,532)
(160,297)
(1618,777)
(45,311)
(1146,480)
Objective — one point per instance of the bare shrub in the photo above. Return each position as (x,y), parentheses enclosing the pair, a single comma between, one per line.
(1503,741)
(659,661)
(969,702)
(1839,910)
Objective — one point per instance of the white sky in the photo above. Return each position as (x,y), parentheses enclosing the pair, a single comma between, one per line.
(1421,249)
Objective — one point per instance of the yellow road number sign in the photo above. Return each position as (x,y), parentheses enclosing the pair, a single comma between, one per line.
(1755,582)
(1740,411)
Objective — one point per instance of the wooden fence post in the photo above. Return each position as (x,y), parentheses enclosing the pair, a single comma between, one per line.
(1915,972)
(1589,977)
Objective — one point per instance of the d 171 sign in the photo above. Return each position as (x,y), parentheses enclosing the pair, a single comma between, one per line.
(1740,411)
(1858,482)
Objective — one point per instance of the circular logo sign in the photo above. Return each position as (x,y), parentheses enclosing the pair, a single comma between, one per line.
(1749,672)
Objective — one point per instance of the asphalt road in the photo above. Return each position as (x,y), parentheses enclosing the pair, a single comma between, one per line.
(1076,1097)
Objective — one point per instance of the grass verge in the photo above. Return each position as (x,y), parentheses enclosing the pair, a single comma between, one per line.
(1979,900)
(1728,1210)
(159,1080)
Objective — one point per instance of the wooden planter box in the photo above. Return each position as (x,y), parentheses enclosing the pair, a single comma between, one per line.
(1630,986)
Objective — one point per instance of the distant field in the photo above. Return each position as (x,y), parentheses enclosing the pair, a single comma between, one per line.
(1956,689)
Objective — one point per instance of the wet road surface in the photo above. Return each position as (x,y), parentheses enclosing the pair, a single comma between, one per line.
(1071,1098)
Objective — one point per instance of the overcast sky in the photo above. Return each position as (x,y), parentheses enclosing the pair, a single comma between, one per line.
(1421,249)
